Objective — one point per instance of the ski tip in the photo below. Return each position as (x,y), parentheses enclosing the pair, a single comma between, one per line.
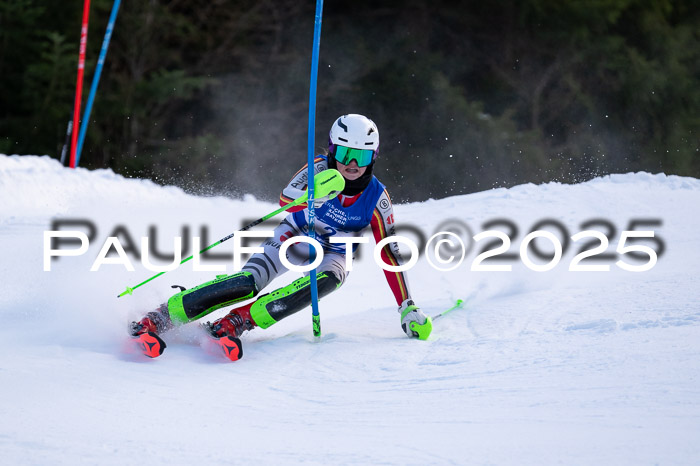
(231,346)
(150,344)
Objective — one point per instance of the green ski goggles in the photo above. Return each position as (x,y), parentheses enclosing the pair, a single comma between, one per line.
(345,155)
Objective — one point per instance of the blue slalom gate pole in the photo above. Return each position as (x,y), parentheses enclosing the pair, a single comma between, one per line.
(315,317)
(96,79)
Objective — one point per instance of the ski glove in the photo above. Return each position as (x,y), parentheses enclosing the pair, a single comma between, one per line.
(327,185)
(414,322)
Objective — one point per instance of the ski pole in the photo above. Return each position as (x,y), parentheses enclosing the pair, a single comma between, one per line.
(300,200)
(328,184)
(457,305)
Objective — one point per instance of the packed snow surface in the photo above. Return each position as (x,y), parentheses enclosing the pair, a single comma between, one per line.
(546,367)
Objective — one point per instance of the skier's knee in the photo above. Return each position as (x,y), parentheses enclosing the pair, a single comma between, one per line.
(328,282)
(334,269)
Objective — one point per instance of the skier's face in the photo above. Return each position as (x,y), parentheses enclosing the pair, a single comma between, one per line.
(351,171)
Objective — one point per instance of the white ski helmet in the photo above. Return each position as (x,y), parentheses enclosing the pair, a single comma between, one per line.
(356,132)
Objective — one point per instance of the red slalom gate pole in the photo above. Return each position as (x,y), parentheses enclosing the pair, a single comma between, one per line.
(79,83)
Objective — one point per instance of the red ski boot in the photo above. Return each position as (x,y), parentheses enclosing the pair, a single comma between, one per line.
(145,332)
(232,324)
(227,330)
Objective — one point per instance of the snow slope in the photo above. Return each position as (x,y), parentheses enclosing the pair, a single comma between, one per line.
(539,368)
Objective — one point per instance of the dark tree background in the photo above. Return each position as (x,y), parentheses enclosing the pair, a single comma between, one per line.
(212,95)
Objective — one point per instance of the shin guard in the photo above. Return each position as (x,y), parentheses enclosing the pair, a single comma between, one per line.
(273,307)
(192,304)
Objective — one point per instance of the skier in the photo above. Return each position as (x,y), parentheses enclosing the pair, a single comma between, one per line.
(353,147)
